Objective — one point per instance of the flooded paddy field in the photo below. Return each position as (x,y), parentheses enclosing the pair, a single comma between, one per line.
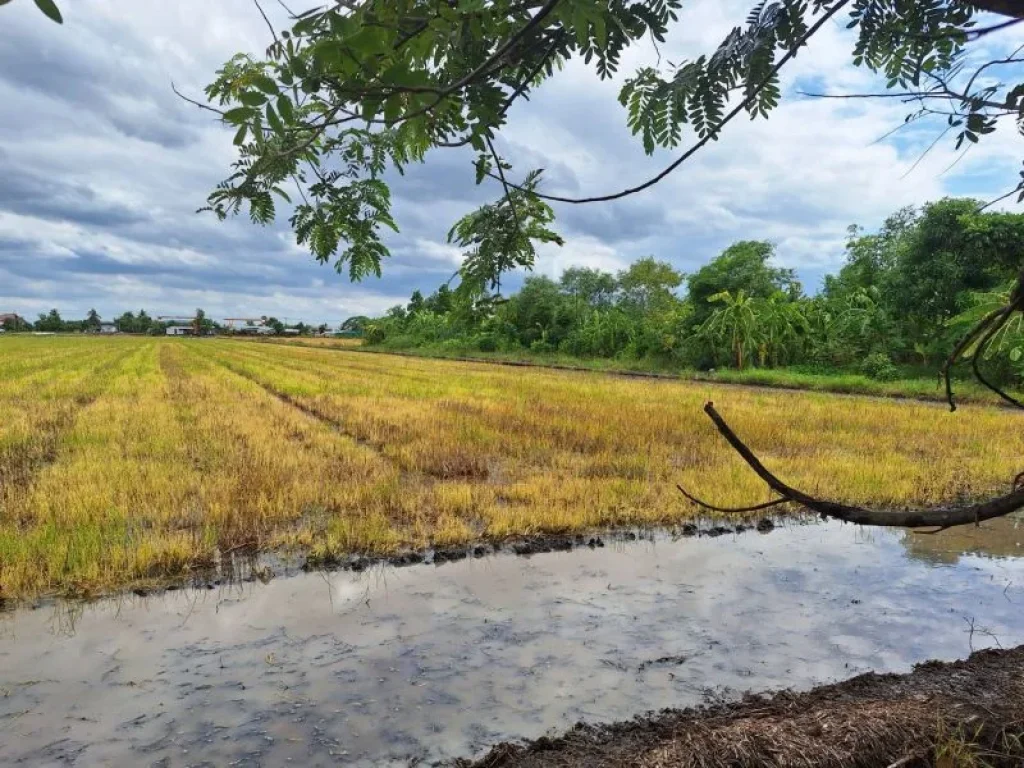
(427,663)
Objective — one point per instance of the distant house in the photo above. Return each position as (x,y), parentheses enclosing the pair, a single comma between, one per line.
(291,331)
(9,318)
(179,330)
(254,330)
(108,328)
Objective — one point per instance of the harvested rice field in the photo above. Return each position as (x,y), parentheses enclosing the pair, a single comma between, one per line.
(128,461)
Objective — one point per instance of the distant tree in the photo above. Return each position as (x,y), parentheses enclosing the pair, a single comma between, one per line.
(92,320)
(539,312)
(416,303)
(648,286)
(15,323)
(733,323)
(356,324)
(588,287)
(743,266)
(302,328)
(50,323)
(397,313)
(871,258)
(143,322)
(952,250)
(440,301)
(277,325)
(203,324)
(126,323)
(322,328)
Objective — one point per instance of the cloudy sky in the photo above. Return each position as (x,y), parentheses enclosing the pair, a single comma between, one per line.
(102,168)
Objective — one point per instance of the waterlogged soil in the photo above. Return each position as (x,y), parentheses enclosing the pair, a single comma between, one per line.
(428,663)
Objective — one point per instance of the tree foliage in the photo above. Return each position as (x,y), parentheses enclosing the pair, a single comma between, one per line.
(352,90)
(758,315)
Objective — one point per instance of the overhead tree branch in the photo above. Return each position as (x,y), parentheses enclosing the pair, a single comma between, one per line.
(711,135)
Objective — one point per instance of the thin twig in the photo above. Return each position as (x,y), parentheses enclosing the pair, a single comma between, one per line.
(199,104)
(959,349)
(270,26)
(713,508)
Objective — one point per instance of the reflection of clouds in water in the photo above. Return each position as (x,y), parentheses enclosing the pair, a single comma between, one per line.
(434,662)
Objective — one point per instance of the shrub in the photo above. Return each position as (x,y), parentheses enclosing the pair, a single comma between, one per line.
(879,366)
(487,342)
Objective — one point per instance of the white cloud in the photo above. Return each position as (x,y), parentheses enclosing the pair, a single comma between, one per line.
(580,251)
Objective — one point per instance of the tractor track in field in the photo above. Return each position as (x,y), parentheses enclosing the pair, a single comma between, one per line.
(314,413)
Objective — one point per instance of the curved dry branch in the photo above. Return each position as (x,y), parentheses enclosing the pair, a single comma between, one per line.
(980,352)
(961,347)
(939,518)
(986,329)
(713,508)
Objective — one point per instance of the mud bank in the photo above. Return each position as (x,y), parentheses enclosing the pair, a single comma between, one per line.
(412,665)
(541,544)
(940,712)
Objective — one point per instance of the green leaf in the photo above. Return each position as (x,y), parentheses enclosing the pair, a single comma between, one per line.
(50,9)
(327,55)
(265,84)
(284,108)
(238,115)
(1016,353)
(274,120)
(370,108)
(252,99)
(600,32)
(393,108)
(581,26)
(240,136)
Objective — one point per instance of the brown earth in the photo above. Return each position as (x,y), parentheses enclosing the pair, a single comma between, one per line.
(963,713)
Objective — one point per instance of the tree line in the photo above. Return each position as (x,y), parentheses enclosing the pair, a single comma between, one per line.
(903,296)
(142,323)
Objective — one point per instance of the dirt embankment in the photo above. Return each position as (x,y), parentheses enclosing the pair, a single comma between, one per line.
(964,713)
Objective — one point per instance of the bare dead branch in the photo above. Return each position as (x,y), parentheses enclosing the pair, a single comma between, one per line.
(195,103)
(713,508)
(942,517)
(985,330)
(979,353)
(960,348)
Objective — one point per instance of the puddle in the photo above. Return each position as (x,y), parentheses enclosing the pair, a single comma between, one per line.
(424,663)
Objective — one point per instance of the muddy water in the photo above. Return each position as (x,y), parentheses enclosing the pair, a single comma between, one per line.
(424,663)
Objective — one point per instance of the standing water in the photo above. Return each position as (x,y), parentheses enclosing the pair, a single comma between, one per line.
(425,663)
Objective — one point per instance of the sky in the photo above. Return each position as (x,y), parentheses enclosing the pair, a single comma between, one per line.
(102,169)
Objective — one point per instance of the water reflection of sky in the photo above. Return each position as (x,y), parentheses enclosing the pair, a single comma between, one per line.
(430,663)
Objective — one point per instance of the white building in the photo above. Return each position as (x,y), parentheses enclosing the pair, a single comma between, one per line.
(108,328)
(179,330)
